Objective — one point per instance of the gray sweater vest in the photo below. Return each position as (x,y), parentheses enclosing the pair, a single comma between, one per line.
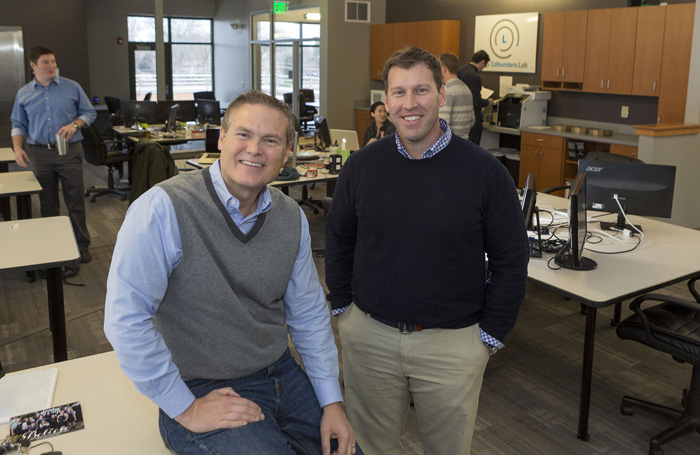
(222,316)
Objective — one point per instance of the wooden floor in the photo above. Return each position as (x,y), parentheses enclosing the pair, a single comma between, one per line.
(529,401)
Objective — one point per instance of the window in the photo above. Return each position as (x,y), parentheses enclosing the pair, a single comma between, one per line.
(288,27)
(188,56)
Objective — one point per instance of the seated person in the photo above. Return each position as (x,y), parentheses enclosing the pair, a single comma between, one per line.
(381,126)
(211,272)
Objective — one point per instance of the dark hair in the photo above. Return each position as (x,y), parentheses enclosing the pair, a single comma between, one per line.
(479,56)
(409,57)
(256,97)
(449,61)
(375,105)
(37,52)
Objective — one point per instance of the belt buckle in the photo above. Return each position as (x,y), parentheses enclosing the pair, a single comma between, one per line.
(408,328)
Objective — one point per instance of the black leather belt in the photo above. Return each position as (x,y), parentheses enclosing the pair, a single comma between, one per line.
(47,146)
(403,327)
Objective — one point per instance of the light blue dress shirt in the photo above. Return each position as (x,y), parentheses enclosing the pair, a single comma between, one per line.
(39,112)
(149,248)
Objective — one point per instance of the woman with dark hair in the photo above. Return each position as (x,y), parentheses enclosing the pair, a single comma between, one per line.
(381,126)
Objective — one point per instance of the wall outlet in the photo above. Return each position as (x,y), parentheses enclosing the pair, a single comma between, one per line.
(625,112)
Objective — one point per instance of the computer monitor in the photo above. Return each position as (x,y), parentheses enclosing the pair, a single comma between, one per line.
(641,189)
(571,257)
(139,111)
(211,140)
(322,133)
(172,119)
(187,112)
(528,201)
(209,111)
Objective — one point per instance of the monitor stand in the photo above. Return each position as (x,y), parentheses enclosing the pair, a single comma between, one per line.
(619,225)
(567,261)
(536,245)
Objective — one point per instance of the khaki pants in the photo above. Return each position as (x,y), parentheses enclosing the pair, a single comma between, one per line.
(442,369)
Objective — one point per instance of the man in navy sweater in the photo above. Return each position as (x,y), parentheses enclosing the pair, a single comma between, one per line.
(412,218)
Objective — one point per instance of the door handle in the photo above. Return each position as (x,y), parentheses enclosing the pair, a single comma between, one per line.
(601,83)
(557,72)
(608,87)
(653,89)
(563,70)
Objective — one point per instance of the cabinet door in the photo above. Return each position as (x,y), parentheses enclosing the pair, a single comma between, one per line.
(552,46)
(648,50)
(675,65)
(529,164)
(551,168)
(597,50)
(623,33)
(574,54)
(381,47)
(362,120)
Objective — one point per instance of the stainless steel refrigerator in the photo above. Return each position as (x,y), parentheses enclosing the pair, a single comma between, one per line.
(11,77)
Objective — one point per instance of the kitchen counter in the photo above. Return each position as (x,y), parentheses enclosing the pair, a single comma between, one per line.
(631,140)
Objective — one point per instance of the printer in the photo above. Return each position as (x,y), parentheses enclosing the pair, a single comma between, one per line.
(522,106)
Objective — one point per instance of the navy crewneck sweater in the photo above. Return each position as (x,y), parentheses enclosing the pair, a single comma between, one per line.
(405,239)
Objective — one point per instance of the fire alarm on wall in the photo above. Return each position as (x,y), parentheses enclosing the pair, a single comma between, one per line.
(120,40)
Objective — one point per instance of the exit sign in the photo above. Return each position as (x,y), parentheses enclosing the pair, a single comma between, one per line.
(280,7)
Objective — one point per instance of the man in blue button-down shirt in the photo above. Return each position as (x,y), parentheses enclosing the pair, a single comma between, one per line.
(48,106)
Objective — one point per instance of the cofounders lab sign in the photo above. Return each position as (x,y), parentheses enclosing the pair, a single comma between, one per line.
(510,40)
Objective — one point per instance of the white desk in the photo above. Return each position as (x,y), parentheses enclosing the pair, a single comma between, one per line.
(118,419)
(668,254)
(7,156)
(42,243)
(21,184)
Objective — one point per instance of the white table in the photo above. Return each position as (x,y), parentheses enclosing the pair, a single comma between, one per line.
(21,184)
(118,419)
(668,254)
(42,243)
(7,156)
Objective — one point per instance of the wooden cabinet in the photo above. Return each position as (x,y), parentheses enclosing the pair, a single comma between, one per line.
(543,156)
(564,49)
(610,49)
(362,120)
(649,50)
(434,36)
(675,64)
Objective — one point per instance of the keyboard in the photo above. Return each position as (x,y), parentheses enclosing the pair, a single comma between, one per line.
(208,158)
(307,156)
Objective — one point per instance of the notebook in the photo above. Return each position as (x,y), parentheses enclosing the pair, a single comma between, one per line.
(350,136)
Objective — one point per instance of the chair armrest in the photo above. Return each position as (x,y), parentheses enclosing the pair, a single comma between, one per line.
(636,306)
(691,288)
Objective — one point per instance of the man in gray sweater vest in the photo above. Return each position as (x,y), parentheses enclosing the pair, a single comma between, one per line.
(211,271)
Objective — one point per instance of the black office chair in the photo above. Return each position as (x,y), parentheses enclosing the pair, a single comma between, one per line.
(148,96)
(672,327)
(306,111)
(96,153)
(204,96)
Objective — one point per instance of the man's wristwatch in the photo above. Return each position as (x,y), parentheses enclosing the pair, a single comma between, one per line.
(492,349)
(77,127)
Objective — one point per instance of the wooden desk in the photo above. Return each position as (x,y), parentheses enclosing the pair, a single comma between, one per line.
(42,243)
(668,254)
(21,184)
(118,419)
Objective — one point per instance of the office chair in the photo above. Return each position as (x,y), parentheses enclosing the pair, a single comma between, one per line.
(148,96)
(96,153)
(204,96)
(672,327)
(306,111)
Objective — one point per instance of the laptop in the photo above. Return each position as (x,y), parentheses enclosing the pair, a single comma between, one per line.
(350,137)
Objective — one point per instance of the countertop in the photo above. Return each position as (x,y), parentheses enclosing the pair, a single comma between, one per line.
(631,140)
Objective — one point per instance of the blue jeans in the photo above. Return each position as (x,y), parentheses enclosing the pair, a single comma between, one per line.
(292,422)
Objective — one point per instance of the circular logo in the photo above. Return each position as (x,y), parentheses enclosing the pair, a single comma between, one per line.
(504,35)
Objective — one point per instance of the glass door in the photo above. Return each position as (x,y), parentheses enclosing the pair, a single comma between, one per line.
(142,62)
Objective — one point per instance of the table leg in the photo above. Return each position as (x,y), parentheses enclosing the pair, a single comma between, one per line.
(54,287)
(587,374)
(5,201)
(616,316)
(330,188)
(24,212)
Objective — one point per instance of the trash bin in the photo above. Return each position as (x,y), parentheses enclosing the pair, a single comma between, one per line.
(513,164)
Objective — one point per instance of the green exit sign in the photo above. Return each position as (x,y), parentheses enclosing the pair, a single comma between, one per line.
(280,7)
